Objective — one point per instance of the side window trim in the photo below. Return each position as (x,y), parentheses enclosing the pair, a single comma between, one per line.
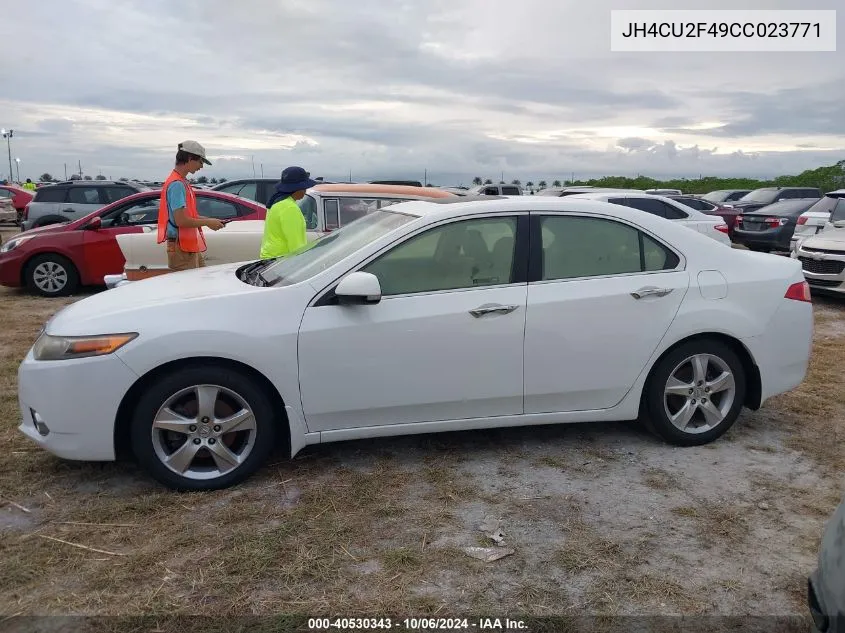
(329,225)
(535,267)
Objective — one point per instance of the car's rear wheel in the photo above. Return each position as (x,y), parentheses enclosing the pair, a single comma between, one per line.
(695,393)
(203,428)
(52,275)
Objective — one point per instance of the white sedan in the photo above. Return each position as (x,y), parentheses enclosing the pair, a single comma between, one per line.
(710,225)
(421,317)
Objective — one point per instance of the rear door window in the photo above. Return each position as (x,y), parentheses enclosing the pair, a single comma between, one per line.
(113,194)
(510,191)
(216,208)
(84,195)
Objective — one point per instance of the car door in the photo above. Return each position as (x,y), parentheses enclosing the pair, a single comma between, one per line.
(224,247)
(101,252)
(601,296)
(444,343)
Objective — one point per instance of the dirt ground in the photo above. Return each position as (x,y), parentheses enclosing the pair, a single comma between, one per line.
(603,519)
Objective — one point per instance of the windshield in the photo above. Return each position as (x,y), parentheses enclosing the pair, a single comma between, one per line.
(760,195)
(317,256)
(715,196)
(825,205)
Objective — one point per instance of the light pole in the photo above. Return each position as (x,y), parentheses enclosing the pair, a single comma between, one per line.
(7,134)
(18,167)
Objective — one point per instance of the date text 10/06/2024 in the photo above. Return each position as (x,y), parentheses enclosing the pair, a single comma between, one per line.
(417,624)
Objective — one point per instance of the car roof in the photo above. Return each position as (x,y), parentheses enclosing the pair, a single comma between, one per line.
(385,190)
(630,193)
(791,202)
(475,204)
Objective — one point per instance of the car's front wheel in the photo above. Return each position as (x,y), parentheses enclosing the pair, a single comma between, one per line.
(203,428)
(695,393)
(52,275)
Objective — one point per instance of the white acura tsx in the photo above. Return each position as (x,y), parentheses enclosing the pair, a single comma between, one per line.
(417,318)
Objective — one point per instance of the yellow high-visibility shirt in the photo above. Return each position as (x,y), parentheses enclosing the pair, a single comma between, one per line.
(284,229)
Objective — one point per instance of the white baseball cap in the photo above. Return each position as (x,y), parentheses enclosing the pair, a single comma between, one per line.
(192,147)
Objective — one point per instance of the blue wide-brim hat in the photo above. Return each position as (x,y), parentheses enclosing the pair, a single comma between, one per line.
(295,179)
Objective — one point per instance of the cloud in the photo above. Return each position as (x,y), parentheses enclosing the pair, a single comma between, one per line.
(394,89)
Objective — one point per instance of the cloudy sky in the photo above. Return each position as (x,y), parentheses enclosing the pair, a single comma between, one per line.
(391,88)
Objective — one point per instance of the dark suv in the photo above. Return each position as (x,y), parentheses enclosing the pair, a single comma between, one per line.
(765,196)
(73,199)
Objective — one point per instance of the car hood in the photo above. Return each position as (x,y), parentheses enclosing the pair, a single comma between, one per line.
(127,306)
(831,239)
(41,230)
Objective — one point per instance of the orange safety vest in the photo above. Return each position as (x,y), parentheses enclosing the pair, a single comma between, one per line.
(189,240)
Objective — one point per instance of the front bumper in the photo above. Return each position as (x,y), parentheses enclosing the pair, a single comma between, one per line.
(823,270)
(115,281)
(11,265)
(69,407)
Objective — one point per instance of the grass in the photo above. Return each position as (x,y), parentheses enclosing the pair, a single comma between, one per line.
(612,595)
(659,479)
(316,536)
(722,524)
(585,549)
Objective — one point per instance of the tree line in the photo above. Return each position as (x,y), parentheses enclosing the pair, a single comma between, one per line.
(825,178)
(202,180)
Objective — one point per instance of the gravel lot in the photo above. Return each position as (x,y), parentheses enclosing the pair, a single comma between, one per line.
(602,519)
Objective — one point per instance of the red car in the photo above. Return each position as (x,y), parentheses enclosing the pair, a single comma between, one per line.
(55,260)
(20,197)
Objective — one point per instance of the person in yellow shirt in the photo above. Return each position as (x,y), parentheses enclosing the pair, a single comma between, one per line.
(29,185)
(284,226)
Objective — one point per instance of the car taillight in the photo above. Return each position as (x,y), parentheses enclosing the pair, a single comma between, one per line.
(721,227)
(26,212)
(775,222)
(739,219)
(802,220)
(799,291)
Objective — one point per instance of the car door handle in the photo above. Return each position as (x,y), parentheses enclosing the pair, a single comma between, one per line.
(650,291)
(69,210)
(490,308)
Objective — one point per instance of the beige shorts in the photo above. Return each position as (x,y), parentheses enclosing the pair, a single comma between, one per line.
(177,259)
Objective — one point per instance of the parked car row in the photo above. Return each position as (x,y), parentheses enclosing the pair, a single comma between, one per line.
(58,256)
(822,254)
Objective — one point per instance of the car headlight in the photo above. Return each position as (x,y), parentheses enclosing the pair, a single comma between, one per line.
(49,347)
(14,243)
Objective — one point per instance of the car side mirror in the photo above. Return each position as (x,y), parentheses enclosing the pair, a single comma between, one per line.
(94,224)
(358,288)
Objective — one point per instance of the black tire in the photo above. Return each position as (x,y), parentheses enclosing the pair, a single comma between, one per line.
(63,269)
(657,419)
(155,396)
